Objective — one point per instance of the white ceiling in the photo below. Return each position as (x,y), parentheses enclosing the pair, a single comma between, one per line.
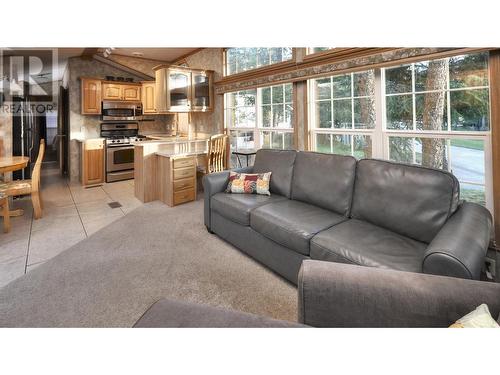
(55,72)
(161,54)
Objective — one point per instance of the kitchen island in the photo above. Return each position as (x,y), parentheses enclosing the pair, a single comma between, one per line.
(166,169)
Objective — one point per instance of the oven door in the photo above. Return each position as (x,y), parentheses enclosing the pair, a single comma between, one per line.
(119,158)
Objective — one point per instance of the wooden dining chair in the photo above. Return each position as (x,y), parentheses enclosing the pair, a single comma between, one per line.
(4,203)
(216,157)
(28,187)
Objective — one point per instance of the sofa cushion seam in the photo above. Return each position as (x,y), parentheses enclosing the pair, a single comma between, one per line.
(334,253)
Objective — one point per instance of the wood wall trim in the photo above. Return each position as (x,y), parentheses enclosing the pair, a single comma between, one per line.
(494,64)
(337,53)
(355,59)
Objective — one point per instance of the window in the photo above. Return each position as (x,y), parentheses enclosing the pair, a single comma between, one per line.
(312,50)
(260,118)
(243,59)
(439,95)
(432,113)
(343,109)
(437,115)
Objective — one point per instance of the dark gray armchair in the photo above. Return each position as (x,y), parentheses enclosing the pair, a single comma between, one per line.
(344,295)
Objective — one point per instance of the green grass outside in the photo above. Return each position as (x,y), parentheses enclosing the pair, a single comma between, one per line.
(475,196)
(468,143)
(324,149)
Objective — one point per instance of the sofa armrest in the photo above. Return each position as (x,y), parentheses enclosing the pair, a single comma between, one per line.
(344,295)
(169,313)
(459,248)
(214,183)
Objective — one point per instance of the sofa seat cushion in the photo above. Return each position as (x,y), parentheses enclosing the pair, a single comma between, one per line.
(237,207)
(359,242)
(292,223)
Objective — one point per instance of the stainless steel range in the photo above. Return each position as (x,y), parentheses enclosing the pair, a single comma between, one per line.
(119,150)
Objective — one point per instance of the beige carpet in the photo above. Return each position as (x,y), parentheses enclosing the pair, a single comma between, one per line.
(112,277)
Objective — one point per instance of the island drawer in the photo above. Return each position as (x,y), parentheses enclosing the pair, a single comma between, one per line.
(184,196)
(184,162)
(184,173)
(183,184)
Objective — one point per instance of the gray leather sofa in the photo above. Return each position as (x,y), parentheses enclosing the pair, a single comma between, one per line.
(343,295)
(368,212)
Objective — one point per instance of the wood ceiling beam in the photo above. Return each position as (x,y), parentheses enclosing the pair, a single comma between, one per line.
(88,53)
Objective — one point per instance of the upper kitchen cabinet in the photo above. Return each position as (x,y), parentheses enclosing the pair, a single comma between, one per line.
(132,92)
(118,91)
(148,97)
(202,87)
(180,89)
(91,96)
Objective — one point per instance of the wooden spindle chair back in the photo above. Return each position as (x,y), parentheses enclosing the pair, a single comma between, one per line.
(35,176)
(216,159)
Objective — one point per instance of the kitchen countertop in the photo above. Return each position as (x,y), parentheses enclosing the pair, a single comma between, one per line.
(80,140)
(168,154)
(170,140)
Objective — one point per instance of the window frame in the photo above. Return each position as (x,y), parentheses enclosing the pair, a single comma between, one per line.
(258,129)
(380,134)
(281,64)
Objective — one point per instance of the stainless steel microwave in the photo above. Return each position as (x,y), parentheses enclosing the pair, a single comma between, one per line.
(121,111)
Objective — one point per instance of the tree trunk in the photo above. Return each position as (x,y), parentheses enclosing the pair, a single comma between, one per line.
(433,150)
(366,84)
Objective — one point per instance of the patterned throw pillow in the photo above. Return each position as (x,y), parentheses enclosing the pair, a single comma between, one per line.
(479,318)
(249,183)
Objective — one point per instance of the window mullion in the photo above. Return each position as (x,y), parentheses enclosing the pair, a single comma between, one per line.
(331,104)
(413,98)
(352,101)
(379,135)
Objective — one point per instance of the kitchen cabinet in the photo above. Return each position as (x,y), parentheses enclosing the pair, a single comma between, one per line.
(119,91)
(177,179)
(92,161)
(148,97)
(132,92)
(202,91)
(180,89)
(91,96)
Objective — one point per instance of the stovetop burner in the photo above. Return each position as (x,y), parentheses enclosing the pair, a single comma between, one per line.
(121,139)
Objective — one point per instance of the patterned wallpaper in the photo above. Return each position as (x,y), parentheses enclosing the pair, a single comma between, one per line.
(207,124)
(298,74)
(145,66)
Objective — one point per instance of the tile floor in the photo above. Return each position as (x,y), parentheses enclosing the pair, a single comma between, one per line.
(71,213)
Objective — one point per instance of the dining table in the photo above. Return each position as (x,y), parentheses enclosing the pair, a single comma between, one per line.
(11,164)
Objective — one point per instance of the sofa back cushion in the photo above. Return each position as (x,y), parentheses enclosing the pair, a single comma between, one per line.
(280,163)
(407,199)
(324,180)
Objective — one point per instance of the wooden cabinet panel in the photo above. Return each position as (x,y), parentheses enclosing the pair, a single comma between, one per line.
(111,91)
(131,92)
(184,173)
(176,185)
(92,162)
(187,183)
(184,196)
(91,96)
(148,97)
(184,162)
